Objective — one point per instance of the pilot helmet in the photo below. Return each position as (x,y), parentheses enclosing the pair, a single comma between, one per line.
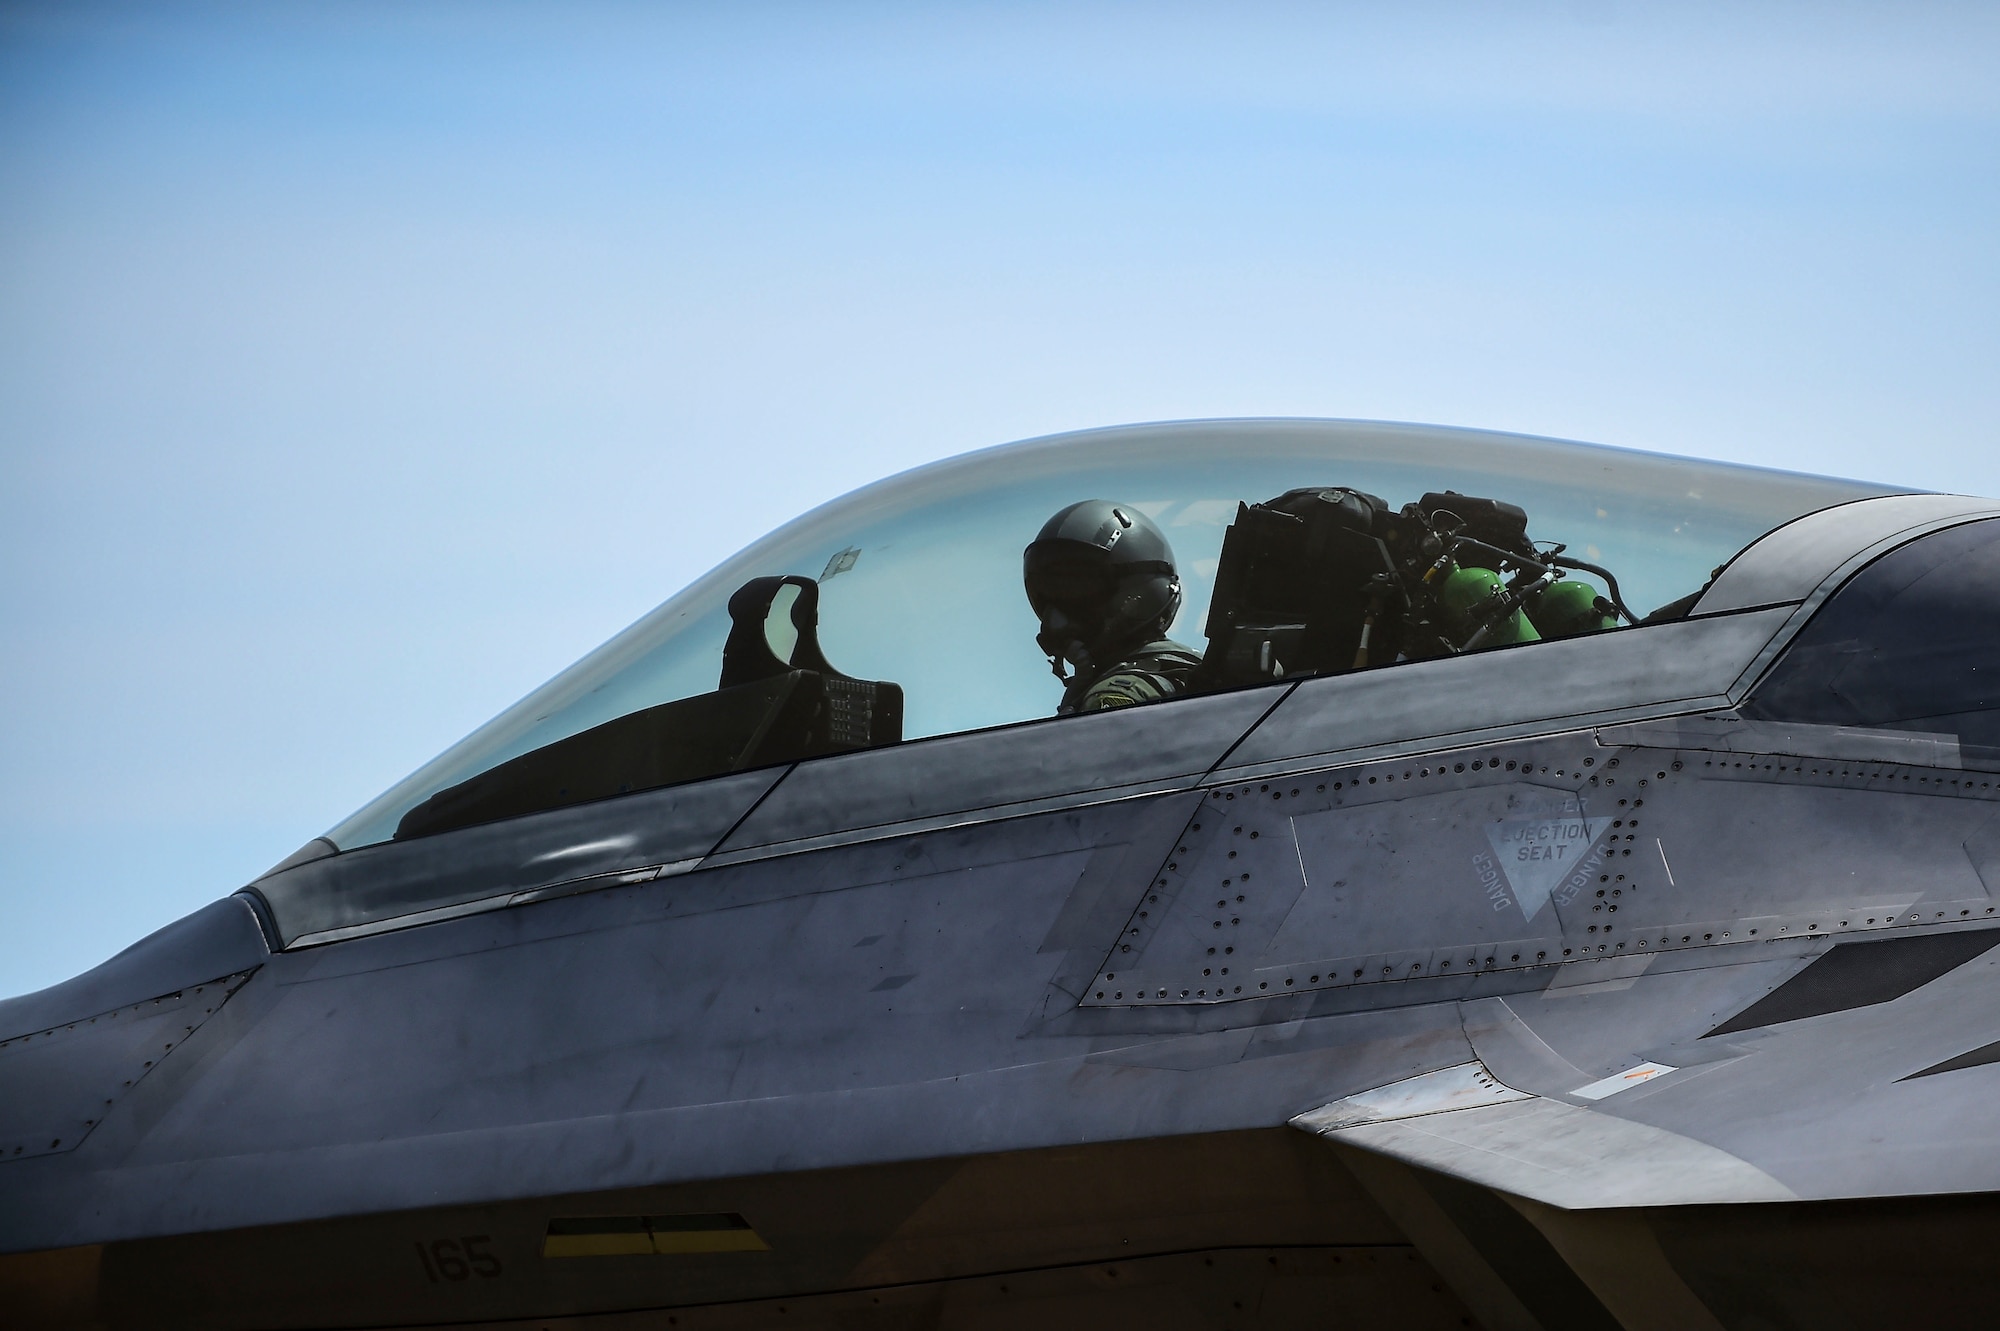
(1100,577)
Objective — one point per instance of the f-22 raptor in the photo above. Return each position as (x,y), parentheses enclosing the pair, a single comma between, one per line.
(1542,885)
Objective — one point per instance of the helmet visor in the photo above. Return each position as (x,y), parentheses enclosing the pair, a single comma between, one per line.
(1073,580)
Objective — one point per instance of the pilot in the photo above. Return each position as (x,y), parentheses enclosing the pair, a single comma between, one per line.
(1100,577)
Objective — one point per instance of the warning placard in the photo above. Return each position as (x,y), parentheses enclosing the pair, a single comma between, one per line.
(1537,853)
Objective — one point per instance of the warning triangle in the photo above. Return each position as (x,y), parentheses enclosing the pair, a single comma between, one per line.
(1538,853)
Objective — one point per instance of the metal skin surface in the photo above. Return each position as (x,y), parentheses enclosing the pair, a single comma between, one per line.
(1414,996)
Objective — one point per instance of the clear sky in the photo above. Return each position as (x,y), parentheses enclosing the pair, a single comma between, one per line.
(361,365)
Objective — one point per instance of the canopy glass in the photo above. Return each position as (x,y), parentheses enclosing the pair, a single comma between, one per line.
(919,576)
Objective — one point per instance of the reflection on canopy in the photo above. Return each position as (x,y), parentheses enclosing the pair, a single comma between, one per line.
(918,581)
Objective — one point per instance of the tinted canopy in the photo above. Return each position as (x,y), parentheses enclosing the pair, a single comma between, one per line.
(898,612)
(1911,643)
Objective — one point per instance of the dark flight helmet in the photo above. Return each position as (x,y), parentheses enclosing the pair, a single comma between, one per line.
(1100,577)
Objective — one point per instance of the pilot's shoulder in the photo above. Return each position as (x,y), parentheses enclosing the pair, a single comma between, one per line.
(1165,653)
(1157,670)
(1120,690)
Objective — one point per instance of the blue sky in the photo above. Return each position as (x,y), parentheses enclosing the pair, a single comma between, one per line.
(361,365)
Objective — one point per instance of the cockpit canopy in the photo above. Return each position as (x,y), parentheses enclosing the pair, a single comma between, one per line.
(898,612)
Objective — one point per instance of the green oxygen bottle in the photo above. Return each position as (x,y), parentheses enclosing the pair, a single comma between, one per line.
(1570,607)
(1464,595)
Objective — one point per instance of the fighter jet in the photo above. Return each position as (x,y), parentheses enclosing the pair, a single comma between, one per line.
(1248,874)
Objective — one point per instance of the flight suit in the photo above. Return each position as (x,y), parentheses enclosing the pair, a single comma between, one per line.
(1159,669)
